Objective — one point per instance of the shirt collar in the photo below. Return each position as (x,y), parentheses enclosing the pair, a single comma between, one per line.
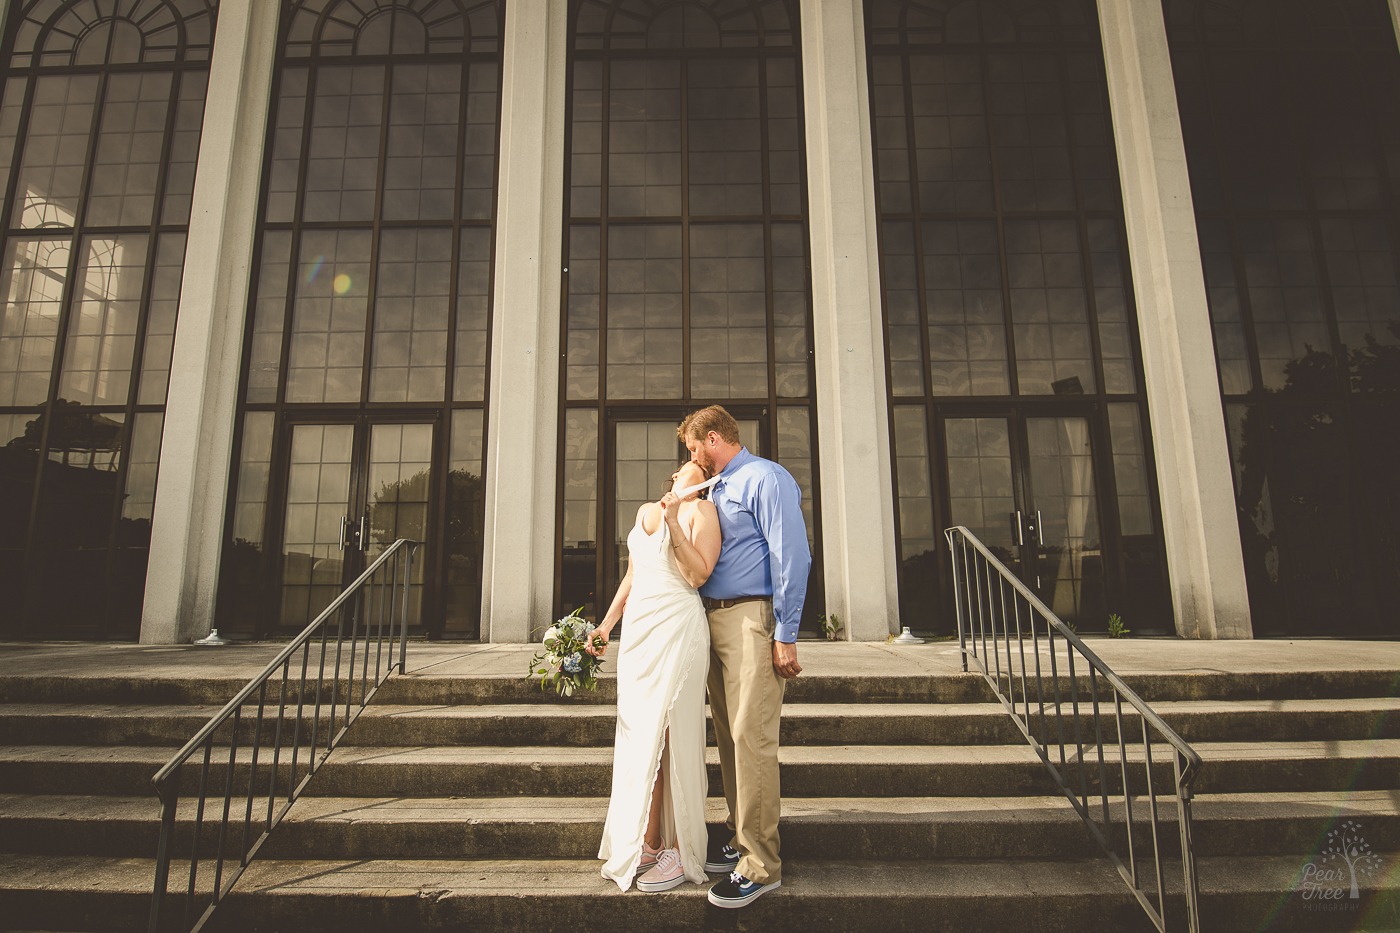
(742,457)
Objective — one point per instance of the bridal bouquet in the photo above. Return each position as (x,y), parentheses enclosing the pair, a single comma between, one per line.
(563,662)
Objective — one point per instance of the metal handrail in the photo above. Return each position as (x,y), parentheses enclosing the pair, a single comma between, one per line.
(380,598)
(1002,608)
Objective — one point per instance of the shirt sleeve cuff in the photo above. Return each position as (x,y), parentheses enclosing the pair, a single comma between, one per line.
(787,634)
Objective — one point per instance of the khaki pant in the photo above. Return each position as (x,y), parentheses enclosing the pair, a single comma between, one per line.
(746,702)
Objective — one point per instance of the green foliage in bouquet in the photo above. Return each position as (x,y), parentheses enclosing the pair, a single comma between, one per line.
(562,662)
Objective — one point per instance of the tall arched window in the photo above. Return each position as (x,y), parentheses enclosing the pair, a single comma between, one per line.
(367,343)
(686,244)
(1016,403)
(99,131)
(1291,117)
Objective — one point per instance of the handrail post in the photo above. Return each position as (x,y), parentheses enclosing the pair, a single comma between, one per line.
(403,623)
(169,792)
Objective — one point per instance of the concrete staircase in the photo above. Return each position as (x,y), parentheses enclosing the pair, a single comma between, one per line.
(467,800)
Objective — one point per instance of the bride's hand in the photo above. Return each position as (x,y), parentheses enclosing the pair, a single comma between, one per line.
(597,643)
(672,507)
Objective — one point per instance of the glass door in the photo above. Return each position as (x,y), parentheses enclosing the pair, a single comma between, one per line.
(353,488)
(1026,487)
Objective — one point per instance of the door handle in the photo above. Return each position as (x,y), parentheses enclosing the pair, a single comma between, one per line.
(344,523)
(1039,529)
(1020,529)
(364,532)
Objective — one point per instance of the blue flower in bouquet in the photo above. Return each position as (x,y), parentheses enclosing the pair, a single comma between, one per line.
(573,663)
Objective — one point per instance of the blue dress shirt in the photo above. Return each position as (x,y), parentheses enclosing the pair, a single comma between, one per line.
(763,550)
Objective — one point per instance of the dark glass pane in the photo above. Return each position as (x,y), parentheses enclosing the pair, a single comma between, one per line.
(479,159)
(408,358)
(465,518)
(80,487)
(586,141)
(580,480)
(728,312)
(184,148)
(342,169)
(11,108)
(243,582)
(285,157)
(1025,96)
(918,544)
(1223,295)
(1108,263)
(644,139)
(981,496)
(400,492)
(899,266)
(473,314)
(791,331)
(161,309)
(318,496)
(130,144)
(55,151)
(967,330)
(1070,567)
(725,132)
(785,141)
(326,359)
(103,320)
(34,275)
(585,286)
(890,127)
(421,160)
(794,452)
(644,312)
(1049,308)
(269,315)
(1285,298)
(1365,291)
(19,461)
(950,133)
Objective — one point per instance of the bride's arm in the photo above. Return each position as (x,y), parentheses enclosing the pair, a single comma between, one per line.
(614,613)
(696,542)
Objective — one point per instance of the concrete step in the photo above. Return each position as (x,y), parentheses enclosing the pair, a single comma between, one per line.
(176,685)
(807,771)
(942,895)
(803,723)
(889,828)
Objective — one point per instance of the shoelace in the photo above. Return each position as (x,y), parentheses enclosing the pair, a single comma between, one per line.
(736,878)
(667,860)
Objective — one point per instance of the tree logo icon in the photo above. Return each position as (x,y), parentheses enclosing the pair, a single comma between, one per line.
(1345,846)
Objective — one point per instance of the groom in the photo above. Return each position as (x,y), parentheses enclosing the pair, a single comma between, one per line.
(754,602)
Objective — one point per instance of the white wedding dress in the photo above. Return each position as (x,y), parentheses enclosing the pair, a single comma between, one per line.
(665,647)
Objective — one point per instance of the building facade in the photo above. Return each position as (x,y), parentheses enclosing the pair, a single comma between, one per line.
(1112,284)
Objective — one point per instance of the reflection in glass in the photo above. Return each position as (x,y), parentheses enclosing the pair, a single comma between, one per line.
(473,314)
(103,322)
(35,273)
(578,585)
(1070,563)
(412,291)
(55,151)
(728,312)
(326,360)
(127,165)
(644,312)
(981,496)
(647,454)
(400,489)
(318,496)
(161,308)
(918,573)
(464,519)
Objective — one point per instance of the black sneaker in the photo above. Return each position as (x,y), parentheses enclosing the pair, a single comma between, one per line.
(736,890)
(723,859)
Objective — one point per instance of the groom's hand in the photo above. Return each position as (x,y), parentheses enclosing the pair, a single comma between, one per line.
(785,660)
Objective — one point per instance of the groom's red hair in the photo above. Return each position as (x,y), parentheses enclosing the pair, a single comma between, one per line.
(711,418)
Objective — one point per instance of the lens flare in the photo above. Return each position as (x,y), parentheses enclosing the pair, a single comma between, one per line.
(341,283)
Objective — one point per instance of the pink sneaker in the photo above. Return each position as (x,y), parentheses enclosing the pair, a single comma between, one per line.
(666,875)
(648,860)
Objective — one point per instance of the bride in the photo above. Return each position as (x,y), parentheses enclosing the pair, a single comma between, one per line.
(656,816)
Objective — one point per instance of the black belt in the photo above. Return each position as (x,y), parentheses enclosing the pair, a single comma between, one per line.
(712,604)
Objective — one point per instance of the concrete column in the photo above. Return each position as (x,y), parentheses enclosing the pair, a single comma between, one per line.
(1395,17)
(857,490)
(1199,520)
(523,420)
(197,446)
